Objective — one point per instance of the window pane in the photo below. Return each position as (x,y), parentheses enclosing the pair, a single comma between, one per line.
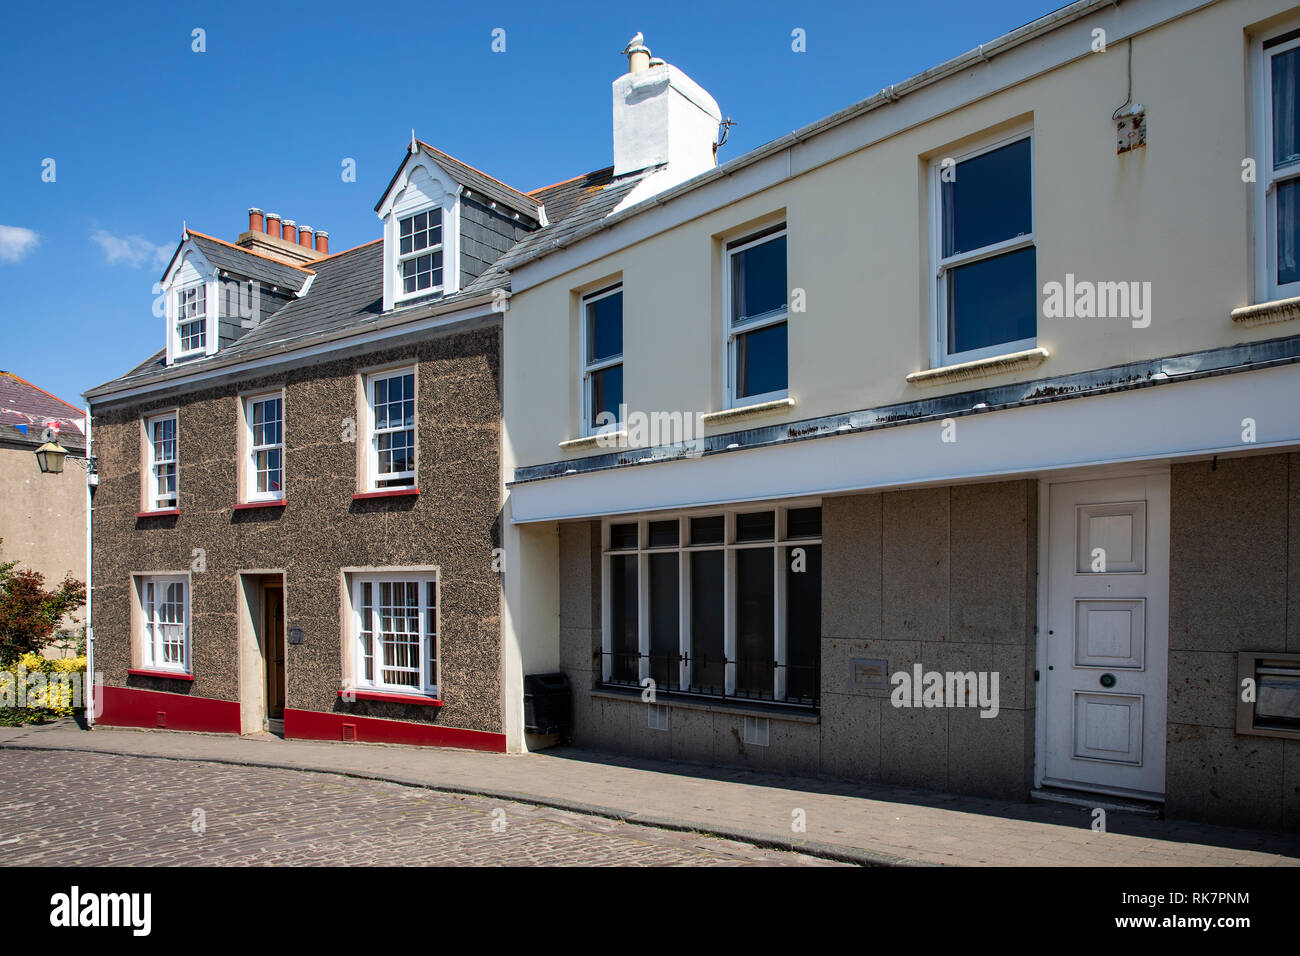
(400,638)
(989,199)
(755,601)
(623,618)
(367,635)
(605,327)
(758,281)
(707,600)
(1286,108)
(708,530)
(622,536)
(761,364)
(663,534)
(606,395)
(993,301)
(756,526)
(665,621)
(1288,232)
(803,523)
(803,621)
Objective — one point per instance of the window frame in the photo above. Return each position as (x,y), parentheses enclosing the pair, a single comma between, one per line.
(780,543)
(152,501)
(1267,178)
(940,265)
(400,258)
(588,367)
(430,677)
(180,295)
(149,647)
(730,332)
(248,457)
(370,434)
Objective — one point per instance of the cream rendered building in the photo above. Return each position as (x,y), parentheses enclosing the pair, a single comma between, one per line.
(997,377)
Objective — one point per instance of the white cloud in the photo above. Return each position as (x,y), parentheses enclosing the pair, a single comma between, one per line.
(16,242)
(134,251)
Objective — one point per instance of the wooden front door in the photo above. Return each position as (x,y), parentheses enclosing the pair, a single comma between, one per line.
(273,649)
(1107,640)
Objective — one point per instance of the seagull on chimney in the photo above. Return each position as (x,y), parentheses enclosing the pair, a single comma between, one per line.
(633,43)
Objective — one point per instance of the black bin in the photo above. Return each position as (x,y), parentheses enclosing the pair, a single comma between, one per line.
(548,704)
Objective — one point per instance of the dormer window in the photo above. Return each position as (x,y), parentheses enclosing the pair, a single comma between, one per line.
(420,252)
(192,319)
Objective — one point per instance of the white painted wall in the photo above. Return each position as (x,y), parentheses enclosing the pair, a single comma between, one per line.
(1175,214)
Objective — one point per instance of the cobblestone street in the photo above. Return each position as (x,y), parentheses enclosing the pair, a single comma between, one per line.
(94,809)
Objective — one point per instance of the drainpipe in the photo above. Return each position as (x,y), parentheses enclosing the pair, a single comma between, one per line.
(88,687)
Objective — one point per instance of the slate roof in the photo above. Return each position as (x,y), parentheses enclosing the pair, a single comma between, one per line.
(346,293)
(587,205)
(250,265)
(26,410)
(561,198)
(476,180)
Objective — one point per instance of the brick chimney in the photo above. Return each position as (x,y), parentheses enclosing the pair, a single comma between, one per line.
(282,239)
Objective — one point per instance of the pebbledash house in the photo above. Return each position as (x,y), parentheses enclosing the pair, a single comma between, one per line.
(951,441)
(299,494)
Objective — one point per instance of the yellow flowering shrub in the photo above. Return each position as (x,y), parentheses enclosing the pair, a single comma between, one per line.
(46,697)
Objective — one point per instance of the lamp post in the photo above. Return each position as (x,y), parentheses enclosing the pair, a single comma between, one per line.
(50,458)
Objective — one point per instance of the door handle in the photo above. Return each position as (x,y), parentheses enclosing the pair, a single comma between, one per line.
(1107,680)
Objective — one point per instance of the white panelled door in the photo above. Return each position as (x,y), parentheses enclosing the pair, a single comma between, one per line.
(1106,651)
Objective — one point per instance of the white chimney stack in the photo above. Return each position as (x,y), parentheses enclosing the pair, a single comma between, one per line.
(661,117)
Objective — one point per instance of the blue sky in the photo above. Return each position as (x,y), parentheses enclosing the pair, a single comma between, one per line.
(146,133)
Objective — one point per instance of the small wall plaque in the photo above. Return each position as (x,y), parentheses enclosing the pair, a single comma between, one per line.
(295,635)
(869,673)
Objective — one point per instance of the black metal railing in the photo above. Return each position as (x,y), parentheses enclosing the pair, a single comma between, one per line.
(754,679)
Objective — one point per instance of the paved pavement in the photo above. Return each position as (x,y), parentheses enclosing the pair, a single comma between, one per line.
(70,809)
(858,823)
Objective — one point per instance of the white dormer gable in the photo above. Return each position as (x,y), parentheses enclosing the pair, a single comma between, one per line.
(421,216)
(191,293)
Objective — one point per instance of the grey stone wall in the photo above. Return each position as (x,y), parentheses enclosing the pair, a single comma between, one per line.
(945,577)
(1234,586)
(451,524)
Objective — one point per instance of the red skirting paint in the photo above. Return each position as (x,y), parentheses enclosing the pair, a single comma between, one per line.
(312,725)
(132,707)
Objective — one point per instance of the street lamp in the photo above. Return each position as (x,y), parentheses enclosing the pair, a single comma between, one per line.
(51,456)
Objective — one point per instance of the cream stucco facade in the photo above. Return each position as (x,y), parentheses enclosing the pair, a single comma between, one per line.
(935,547)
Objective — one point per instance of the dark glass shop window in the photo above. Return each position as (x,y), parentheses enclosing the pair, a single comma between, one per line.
(708,674)
(623,618)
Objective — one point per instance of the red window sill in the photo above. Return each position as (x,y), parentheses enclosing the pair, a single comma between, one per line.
(419,701)
(174,675)
(394,493)
(165,513)
(249,505)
